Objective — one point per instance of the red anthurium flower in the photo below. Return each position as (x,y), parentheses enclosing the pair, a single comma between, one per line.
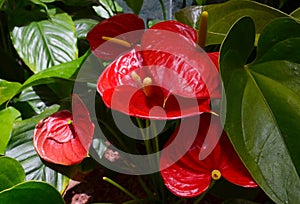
(63,138)
(188,176)
(167,71)
(111,28)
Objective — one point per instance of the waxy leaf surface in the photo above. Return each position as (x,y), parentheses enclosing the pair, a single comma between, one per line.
(11,173)
(7,119)
(263,103)
(46,43)
(223,15)
(31,192)
(21,148)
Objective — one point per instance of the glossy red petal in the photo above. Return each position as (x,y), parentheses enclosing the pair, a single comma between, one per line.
(214,56)
(133,101)
(173,51)
(59,140)
(83,126)
(177,27)
(222,157)
(232,168)
(119,71)
(112,27)
(188,176)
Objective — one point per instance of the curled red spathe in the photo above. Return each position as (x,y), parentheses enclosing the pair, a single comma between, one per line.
(64,138)
(189,176)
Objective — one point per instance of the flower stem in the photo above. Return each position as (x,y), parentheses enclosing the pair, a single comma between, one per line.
(163,9)
(201,39)
(120,187)
(146,189)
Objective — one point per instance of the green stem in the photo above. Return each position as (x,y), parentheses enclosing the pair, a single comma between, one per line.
(146,189)
(120,187)
(204,194)
(163,9)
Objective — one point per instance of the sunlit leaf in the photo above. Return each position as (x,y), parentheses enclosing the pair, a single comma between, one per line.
(7,119)
(34,100)
(222,16)
(83,26)
(46,43)
(296,13)
(8,90)
(108,8)
(21,148)
(263,103)
(11,173)
(54,75)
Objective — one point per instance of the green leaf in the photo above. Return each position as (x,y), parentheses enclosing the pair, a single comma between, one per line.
(54,75)
(46,43)
(65,71)
(108,8)
(296,13)
(8,90)
(11,173)
(21,148)
(83,26)
(31,192)
(34,100)
(1,3)
(263,103)
(7,119)
(222,16)
(135,5)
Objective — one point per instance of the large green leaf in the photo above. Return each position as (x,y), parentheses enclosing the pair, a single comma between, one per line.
(21,148)
(34,100)
(83,26)
(1,3)
(7,119)
(31,192)
(222,16)
(8,90)
(46,43)
(296,13)
(263,103)
(108,8)
(11,173)
(55,75)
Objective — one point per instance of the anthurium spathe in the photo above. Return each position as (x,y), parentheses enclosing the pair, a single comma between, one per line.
(166,71)
(64,138)
(188,176)
(103,36)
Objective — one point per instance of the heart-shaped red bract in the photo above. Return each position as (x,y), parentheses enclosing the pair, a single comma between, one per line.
(173,46)
(188,176)
(63,138)
(182,73)
(114,27)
